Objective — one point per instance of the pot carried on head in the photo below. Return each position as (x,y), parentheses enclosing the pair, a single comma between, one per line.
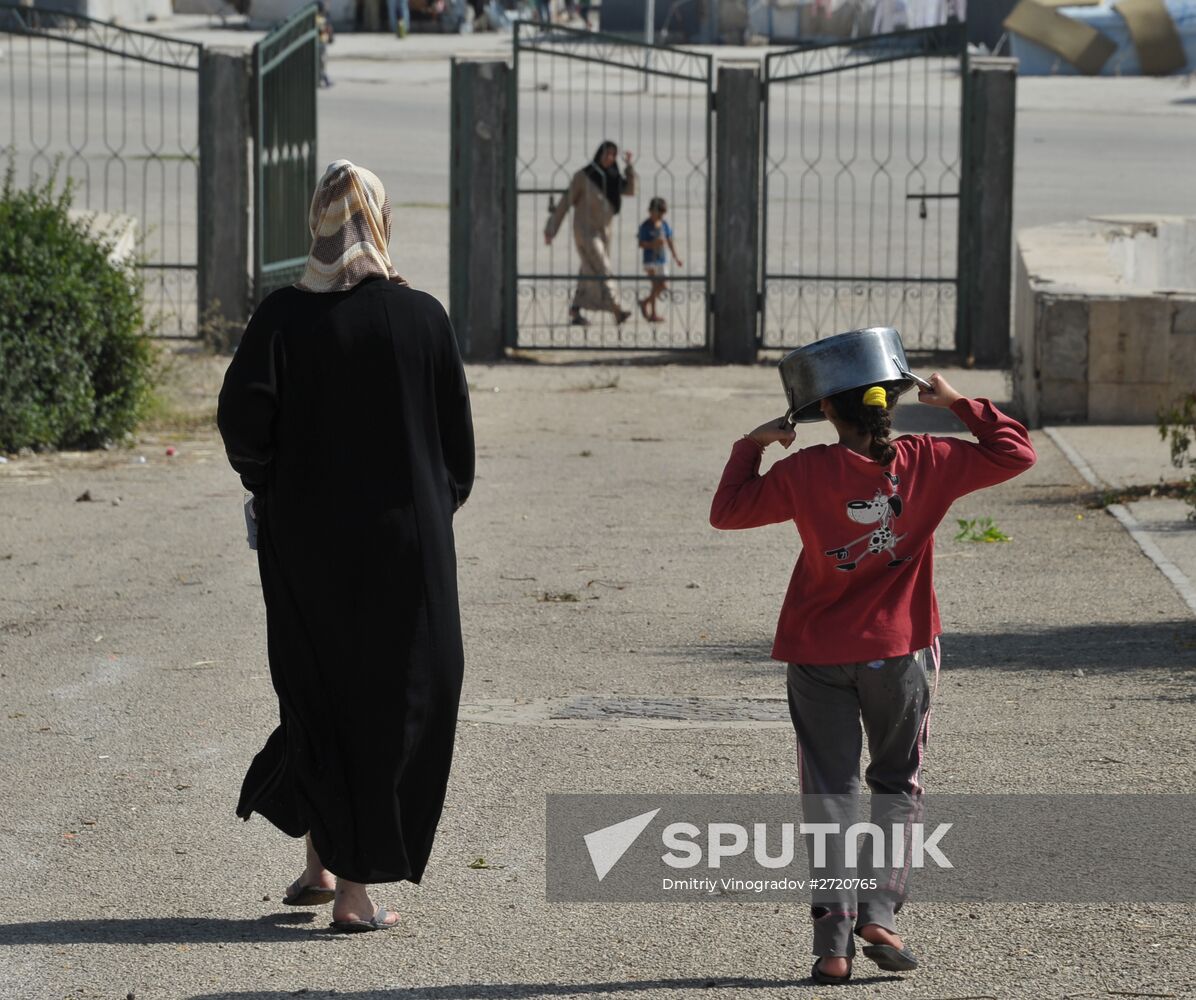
(871,356)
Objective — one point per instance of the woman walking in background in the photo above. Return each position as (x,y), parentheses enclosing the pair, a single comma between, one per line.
(595,194)
(346,413)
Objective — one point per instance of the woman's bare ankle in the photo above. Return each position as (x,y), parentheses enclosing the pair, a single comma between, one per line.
(353,903)
(319,876)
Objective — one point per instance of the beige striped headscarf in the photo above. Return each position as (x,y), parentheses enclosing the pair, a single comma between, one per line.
(350,229)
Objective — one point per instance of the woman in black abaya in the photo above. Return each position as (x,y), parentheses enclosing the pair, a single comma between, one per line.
(346,413)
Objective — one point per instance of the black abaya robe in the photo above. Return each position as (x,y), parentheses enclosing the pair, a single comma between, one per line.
(347,416)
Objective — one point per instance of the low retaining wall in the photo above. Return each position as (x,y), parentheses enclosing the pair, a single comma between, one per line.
(1104,319)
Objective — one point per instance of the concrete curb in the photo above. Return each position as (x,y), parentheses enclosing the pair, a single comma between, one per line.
(1076,459)
(1172,572)
(1183,586)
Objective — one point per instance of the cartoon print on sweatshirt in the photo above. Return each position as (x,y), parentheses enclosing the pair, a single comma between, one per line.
(878,511)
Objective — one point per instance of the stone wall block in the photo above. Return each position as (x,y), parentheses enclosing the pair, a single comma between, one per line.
(1183,323)
(1064,353)
(1182,363)
(1126,402)
(1106,343)
(1129,341)
(1062,402)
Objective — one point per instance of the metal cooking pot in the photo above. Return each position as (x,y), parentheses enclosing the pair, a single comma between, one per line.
(846,361)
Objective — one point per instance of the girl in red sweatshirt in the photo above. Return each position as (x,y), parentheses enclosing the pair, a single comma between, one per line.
(859,626)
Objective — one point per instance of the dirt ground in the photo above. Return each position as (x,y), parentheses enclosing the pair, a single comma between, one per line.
(134,691)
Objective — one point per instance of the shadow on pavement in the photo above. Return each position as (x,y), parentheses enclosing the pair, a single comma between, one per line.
(1107,647)
(161,930)
(1102,648)
(495,991)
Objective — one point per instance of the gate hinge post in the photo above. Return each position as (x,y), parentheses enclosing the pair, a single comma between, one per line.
(227,231)
(737,215)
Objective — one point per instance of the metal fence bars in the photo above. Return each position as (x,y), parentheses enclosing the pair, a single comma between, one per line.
(115,112)
(862,169)
(285,77)
(574,90)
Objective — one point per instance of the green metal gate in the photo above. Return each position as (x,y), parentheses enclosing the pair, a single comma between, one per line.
(574,90)
(862,174)
(285,77)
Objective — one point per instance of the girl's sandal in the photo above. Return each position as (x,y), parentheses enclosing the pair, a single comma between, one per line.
(825,979)
(891,959)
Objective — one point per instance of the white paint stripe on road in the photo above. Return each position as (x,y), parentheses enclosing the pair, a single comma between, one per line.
(1182,584)
(1155,554)
(1076,459)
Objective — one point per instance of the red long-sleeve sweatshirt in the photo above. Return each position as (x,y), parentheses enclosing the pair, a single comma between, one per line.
(863,586)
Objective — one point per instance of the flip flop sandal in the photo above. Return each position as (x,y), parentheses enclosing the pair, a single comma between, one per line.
(308,895)
(376,923)
(577,319)
(825,979)
(891,959)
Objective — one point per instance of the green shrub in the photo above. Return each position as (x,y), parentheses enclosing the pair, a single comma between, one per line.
(74,362)
(1177,426)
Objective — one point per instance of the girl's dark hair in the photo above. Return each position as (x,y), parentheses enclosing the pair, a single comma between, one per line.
(875,421)
(604,147)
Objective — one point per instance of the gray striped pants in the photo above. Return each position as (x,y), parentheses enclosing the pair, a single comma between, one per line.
(827,704)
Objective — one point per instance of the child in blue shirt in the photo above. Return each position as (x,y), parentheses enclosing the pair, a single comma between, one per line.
(654,235)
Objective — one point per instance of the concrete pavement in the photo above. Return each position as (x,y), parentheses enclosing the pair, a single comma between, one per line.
(134,689)
(1114,459)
